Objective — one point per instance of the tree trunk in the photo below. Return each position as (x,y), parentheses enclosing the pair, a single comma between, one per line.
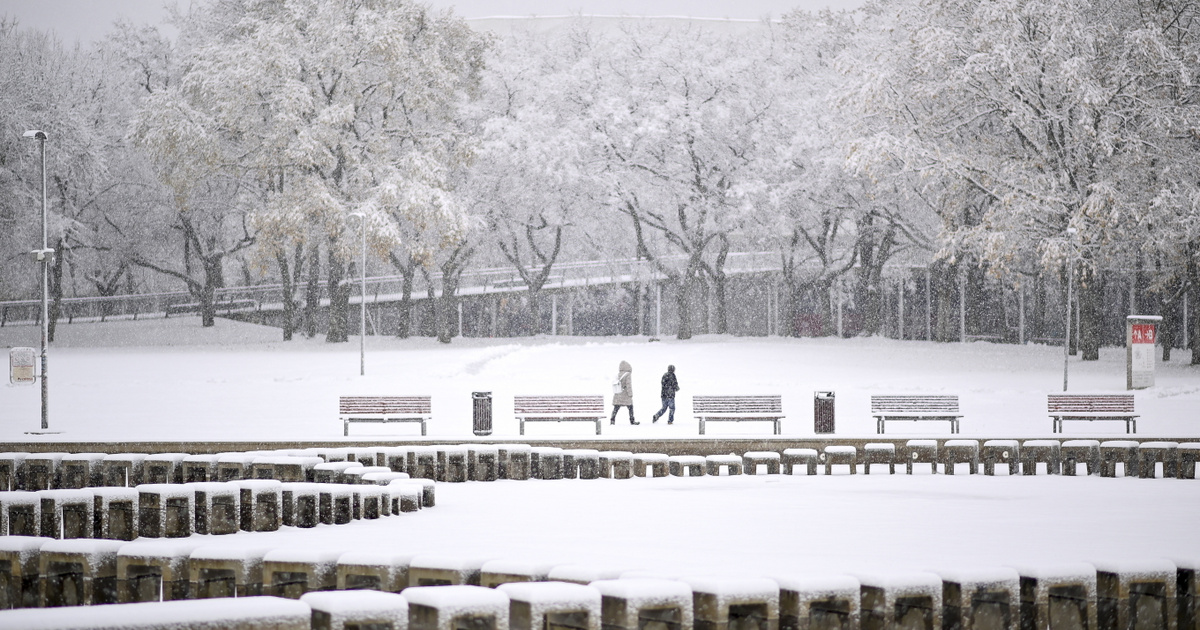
(945,327)
(1169,309)
(289,291)
(339,300)
(534,312)
(56,290)
(1193,281)
(312,293)
(213,279)
(1091,293)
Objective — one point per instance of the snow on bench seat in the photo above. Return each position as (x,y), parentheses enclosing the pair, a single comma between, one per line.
(919,407)
(743,408)
(1091,407)
(572,408)
(385,409)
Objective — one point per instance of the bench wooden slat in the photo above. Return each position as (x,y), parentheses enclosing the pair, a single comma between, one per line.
(384,405)
(915,407)
(559,408)
(1090,407)
(738,408)
(384,409)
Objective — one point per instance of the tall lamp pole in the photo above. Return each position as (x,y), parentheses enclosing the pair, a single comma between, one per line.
(362,336)
(43,256)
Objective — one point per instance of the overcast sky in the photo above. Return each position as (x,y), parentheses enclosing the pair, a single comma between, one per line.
(88,20)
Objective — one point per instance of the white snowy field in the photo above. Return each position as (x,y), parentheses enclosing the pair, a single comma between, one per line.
(171,379)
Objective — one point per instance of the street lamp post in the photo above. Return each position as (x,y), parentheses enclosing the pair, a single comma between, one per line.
(362,335)
(43,256)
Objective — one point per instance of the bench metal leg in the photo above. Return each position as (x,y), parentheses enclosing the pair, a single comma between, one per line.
(597,426)
(346,427)
(701,426)
(522,426)
(777,427)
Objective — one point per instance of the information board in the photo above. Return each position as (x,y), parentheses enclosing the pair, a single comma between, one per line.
(1141,335)
(22,365)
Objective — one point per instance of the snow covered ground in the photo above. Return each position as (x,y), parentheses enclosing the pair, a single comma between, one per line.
(174,380)
(170,379)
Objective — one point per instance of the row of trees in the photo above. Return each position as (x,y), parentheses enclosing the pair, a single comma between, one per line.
(967,134)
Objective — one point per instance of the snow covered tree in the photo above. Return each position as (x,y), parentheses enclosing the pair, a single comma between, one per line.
(322,104)
(1040,113)
(677,114)
(535,181)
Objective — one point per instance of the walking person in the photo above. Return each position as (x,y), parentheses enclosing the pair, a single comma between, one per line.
(623,392)
(669,386)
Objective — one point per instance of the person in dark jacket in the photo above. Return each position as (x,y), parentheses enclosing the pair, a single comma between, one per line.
(669,386)
(624,397)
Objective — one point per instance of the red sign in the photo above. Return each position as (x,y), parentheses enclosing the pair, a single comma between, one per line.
(1143,333)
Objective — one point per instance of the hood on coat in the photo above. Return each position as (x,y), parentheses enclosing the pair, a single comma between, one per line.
(625,367)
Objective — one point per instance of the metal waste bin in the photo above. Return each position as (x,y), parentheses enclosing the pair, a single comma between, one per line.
(482,417)
(823,412)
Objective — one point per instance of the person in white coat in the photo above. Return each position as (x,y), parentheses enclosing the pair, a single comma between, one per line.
(623,392)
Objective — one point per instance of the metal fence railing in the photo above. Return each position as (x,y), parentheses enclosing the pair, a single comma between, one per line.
(379,289)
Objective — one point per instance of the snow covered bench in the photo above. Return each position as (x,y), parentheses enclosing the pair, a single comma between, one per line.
(559,409)
(384,409)
(915,408)
(738,409)
(1091,407)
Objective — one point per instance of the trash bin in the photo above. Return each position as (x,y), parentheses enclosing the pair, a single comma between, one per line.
(483,412)
(823,412)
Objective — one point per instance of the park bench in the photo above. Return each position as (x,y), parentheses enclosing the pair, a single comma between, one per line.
(1091,407)
(916,408)
(738,409)
(384,409)
(559,409)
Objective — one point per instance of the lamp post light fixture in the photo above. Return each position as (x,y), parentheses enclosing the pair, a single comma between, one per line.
(362,333)
(43,256)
